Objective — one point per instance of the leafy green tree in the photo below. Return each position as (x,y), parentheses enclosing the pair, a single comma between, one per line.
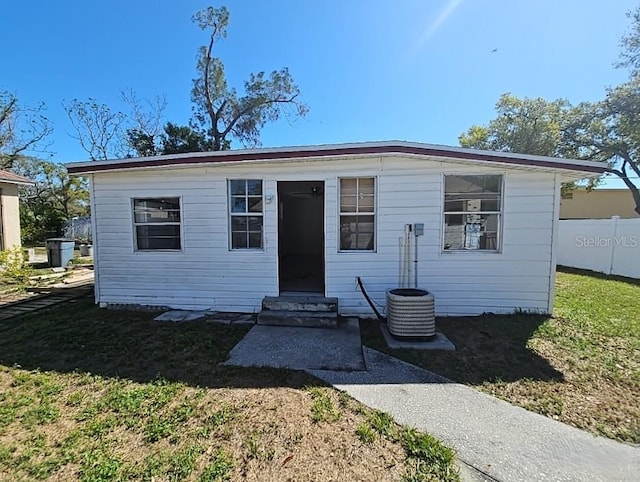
(607,131)
(630,43)
(142,143)
(22,129)
(178,139)
(219,110)
(174,139)
(529,126)
(52,201)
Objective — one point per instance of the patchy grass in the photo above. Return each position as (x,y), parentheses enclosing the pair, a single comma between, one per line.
(427,458)
(323,408)
(430,459)
(17,283)
(581,366)
(96,395)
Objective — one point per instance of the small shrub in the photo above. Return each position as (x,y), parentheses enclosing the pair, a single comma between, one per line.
(13,265)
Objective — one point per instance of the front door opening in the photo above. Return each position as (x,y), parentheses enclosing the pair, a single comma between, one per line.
(301,236)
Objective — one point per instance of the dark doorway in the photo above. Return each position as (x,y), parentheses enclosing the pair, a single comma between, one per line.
(301,236)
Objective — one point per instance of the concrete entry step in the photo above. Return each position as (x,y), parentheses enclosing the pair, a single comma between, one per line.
(307,303)
(312,319)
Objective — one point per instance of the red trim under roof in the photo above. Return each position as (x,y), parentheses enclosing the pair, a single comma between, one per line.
(319,152)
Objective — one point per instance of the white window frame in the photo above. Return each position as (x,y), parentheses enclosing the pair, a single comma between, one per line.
(169,223)
(373,213)
(500,214)
(247,213)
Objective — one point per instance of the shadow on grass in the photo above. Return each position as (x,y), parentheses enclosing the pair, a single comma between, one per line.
(51,290)
(77,336)
(489,348)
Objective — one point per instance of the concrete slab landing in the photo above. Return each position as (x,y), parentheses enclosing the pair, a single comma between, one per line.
(211,316)
(181,315)
(440,342)
(301,348)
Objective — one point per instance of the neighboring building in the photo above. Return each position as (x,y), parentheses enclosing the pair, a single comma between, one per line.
(10,208)
(222,230)
(597,204)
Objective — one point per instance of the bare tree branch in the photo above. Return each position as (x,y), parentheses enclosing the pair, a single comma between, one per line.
(22,129)
(98,129)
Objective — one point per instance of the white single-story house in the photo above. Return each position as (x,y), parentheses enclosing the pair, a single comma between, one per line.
(223,230)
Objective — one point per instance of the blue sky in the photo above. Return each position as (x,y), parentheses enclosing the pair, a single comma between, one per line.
(369,70)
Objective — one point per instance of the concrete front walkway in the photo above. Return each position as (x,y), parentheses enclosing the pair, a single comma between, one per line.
(505,442)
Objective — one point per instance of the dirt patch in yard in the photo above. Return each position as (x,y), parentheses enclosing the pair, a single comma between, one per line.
(123,430)
(90,394)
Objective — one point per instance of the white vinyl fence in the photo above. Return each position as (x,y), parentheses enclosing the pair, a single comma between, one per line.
(79,228)
(610,246)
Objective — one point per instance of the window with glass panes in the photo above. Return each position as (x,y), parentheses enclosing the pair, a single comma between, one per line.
(357,213)
(472,212)
(156,223)
(246,213)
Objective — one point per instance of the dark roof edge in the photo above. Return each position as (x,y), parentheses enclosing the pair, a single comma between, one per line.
(338,150)
(9,177)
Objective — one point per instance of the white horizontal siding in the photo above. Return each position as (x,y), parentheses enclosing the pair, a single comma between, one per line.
(462,282)
(206,274)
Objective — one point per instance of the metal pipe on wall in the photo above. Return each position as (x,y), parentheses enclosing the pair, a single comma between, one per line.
(418,230)
(407,258)
(415,260)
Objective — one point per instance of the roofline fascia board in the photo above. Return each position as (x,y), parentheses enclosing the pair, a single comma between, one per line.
(352,150)
(571,174)
(19,183)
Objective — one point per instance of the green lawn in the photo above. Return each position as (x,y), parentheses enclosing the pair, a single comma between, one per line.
(97,395)
(581,366)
